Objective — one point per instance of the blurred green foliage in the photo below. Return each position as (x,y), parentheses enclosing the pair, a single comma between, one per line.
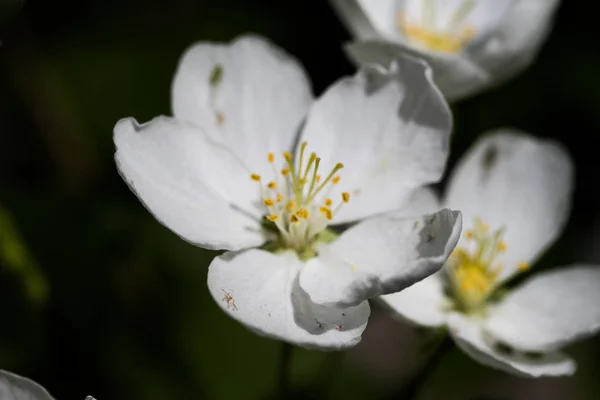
(129,316)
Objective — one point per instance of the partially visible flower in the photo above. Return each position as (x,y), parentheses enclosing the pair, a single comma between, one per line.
(227,172)
(470,44)
(514,192)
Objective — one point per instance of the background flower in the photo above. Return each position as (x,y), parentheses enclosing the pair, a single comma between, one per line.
(471,45)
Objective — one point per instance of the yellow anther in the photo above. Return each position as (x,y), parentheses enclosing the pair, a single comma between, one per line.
(469,235)
(328,202)
(523,266)
(272,185)
(294,218)
(318,178)
(272,217)
(485,227)
(220,118)
(255,177)
(336,180)
(327,212)
(302,213)
(269,202)
(279,197)
(285,171)
(502,246)
(271,158)
(288,156)
(354,268)
(345,197)
(302,181)
(290,206)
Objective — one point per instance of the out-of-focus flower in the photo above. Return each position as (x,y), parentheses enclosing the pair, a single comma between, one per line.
(516,192)
(470,44)
(15,387)
(222,175)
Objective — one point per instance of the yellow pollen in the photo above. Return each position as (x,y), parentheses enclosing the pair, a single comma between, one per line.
(523,266)
(345,197)
(279,197)
(318,178)
(469,235)
(288,156)
(285,171)
(255,177)
(290,206)
(294,218)
(302,213)
(336,180)
(271,158)
(502,246)
(272,217)
(328,202)
(269,202)
(327,212)
(272,185)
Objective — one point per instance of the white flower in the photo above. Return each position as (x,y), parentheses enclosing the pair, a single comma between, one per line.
(221,175)
(470,44)
(516,192)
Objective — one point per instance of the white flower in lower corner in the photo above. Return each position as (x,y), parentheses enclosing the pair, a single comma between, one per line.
(470,44)
(514,192)
(227,173)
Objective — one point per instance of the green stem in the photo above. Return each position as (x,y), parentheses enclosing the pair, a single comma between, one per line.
(414,387)
(285,366)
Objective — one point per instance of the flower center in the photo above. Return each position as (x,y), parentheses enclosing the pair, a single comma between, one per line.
(473,275)
(426,32)
(297,202)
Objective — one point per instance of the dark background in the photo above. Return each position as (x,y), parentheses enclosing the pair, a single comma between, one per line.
(98,298)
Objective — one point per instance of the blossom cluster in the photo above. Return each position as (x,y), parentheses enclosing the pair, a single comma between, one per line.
(322,204)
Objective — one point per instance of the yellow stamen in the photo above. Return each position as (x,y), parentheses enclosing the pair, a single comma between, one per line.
(279,197)
(318,178)
(502,246)
(272,185)
(345,197)
(288,156)
(469,235)
(269,202)
(523,266)
(302,213)
(327,212)
(272,217)
(336,180)
(290,206)
(271,158)
(285,171)
(294,218)
(328,202)
(255,177)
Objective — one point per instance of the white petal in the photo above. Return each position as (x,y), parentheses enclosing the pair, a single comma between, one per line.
(423,200)
(261,291)
(390,129)
(470,337)
(550,310)
(256,105)
(358,18)
(514,180)
(423,303)
(15,387)
(457,76)
(379,256)
(193,186)
(514,44)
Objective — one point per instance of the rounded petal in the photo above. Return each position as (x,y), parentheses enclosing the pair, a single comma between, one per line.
(249,95)
(456,75)
(15,387)
(379,256)
(550,310)
(423,201)
(193,186)
(470,337)
(423,303)
(515,42)
(260,290)
(362,17)
(389,128)
(514,180)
